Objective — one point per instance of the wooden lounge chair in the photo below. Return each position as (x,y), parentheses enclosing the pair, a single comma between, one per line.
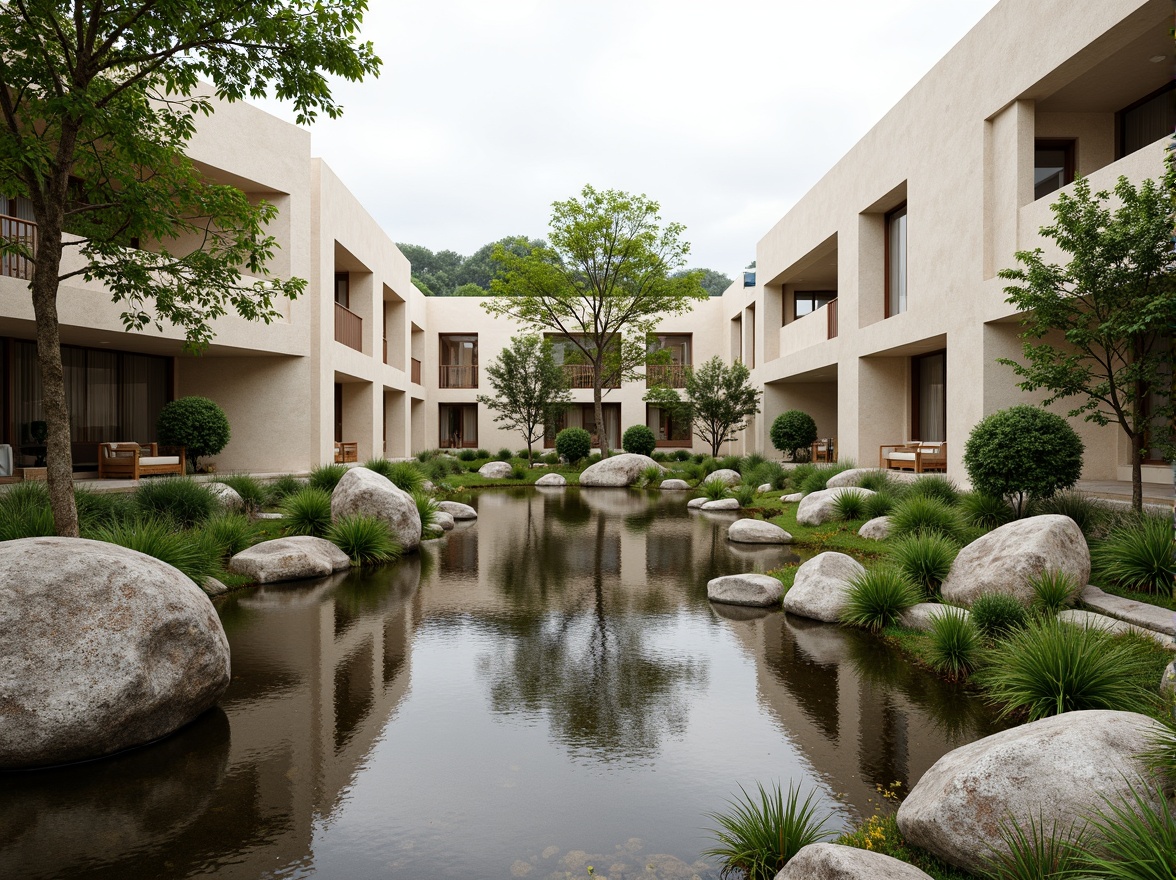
(824,450)
(130,461)
(346,451)
(920,457)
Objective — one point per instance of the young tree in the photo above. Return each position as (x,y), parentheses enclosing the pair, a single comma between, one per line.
(531,389)
(605,282)
(97,103)
(1113,302)
(719,400)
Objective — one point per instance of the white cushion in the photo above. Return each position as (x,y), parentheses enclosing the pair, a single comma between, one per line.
(900,456)
(159,459)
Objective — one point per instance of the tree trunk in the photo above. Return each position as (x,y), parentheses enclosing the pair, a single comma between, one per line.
(1137,471)
(597,395)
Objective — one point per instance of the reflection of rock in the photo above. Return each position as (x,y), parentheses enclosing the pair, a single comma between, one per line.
(739,612)
(614,501)
(828,861)
(289,559)
(617,470)
(756,590)
(821,587)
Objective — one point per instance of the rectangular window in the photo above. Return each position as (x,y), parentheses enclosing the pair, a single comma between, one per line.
(1147,120)
(808,301)
(1160,430)
(343,289)
(458,425)
(896,261)
(929,390)
(583,415)
(672,374)
(459,360)
(667,430)
(1053,166)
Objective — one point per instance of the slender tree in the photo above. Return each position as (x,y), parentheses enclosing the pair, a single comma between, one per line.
(719,400)
(604,282)
(1114,305)
(98,101)
(531,390)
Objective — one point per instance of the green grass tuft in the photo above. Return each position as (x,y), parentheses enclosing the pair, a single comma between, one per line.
(712,490)
(180,499)
(1036,852)
(327,476)
(985,511)
(158,537)
(252,492)
(850,504)
(925,558)
(1137,838)
(307,512)
(365,539)
(996,615)
(282,487)
(918,514)
(955,644)
(877,597)
(1053,592)
(1139,557)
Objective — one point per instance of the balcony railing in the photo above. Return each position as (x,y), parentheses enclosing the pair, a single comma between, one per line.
(415,374)
(385,349)
(348,328)
(25,232)
(582,376)
(669,375)
(831,318)
(458,376)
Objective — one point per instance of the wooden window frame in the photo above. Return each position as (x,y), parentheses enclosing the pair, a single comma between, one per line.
(886,221)
(1069,146)
(916,361)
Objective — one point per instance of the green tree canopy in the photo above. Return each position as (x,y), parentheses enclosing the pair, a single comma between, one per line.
(1113,305)
(605,282)
(530,389)
(97,104)
(719,400)
(714,283)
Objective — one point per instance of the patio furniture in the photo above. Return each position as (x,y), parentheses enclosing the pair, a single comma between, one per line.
(824,450)
(920,457)
(346,451)
(130,461)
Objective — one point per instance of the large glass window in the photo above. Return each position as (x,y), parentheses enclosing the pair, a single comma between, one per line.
(1147,120)
(459,425)
(808,301)
(668,431)
(896,261)
(929,382)
(343,289)
(584,416)
(1053,166)
(459,360)
(1160,429)
(672,373)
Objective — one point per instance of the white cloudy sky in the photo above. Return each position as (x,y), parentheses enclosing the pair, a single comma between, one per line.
(487,111)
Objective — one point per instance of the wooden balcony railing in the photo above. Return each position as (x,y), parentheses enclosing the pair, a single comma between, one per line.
(385,349)
(670,375)
(348,328)
(582,376)
(25,232)
(458,376)
(415,371)
(831,318)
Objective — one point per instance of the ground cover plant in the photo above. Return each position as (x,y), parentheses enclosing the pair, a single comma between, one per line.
(997,615)
(307,512)
(158,536)
(877,598)
(955,644)
(281,487)
(326,476)
(365,539)
(925,558)
(1139,557)
(1053,592)
(850,504)
(181,499)
(922,515)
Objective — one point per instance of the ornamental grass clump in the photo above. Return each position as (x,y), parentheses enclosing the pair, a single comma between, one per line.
(227,534)
(102,508)
(745,495)
(925,558)
(365,539)
(1050,667)
(935,487)
(651,477)
(769,472)
(1036,852)
(757,838)
(504,454)
(1138,557)
(955,644)
(712,490)
(406,475)
(879,481)
(157,536)
(252,492)
(1053,592)
(850,504)
(920,515)
(307,512)
(881,503)
(180,499)
(985,511)
(996,615)
(818,477)
(1137,837)
(327,476)
(380,465)
(427,509)
(283,486)
(877,597)
(25,512)
(1084,510)
(467,455)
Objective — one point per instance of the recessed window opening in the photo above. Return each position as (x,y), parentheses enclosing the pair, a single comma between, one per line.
(808,301)
(896,261)
(1147,120)
(1053,166)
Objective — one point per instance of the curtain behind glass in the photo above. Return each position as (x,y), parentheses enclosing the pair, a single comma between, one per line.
(933,397)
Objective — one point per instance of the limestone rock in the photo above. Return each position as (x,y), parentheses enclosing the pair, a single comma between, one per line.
(793,498)
(821,588)
(495,470)
(104,648)
(830,861)
(755,590)
(728,476)
(228,497)
(762,488)
(552,480)
(1059,769)
(428,486)
(1003,560)
(1168,683)
(1142,614)
(851,477)
(920,616)
(362,491)
(458,510)
(722,504)
(820,507)
(617,470)
(695,503)
(757,531)
(674,485)
(289,559)
(443,520)
(1094,620)
(877,528)
(213,587)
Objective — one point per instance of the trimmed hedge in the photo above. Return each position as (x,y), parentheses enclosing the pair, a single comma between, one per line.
(639,440)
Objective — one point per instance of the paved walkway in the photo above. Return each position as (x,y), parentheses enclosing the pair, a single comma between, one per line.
(1120,490)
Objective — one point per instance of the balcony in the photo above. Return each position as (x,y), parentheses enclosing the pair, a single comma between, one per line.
(831,319)
(669,375)
(582,376)
(348,328)
(25,232)
(415,374)
(458,376)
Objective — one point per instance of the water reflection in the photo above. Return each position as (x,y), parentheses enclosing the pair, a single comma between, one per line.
(543,689)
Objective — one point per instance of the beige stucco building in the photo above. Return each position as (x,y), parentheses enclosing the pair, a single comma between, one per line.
(877,306)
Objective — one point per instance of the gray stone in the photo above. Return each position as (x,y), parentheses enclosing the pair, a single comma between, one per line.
(762,488)
(877,528)
(695,503)
(728,476)
(228,497)
(1053,771)
(213,587)
(830,861)
(495,470)
(104,648)
(754,590)
(1168,684)
(722,504)
(457,510)
(820,507)
(271,516)
(552,480)
(444,521)
(821,587)
(362,491)
(851,477)
(674,485)
(289,559)
(427,486)
(921,616)
(1151,617)
(623,469)
(1094,620)
(757,531)
(793,498)
(1006,558)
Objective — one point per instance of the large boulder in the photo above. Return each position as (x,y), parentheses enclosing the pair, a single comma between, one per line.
(877,528)
(696,503)
(851,477)
(458,510)
(623,469)
(1006,558)
(830,861)
(362,491)
(755,590)
(1054,771)
(290,559)
(496,470)
(674,485)
(228,497)
(756,531)
(552,480)
(726,475)
(820,507)
(104,648)
(820,590)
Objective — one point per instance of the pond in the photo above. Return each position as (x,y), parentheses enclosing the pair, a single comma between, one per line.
(544,689)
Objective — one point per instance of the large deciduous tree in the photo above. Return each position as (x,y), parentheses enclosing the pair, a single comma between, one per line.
(531,389)
(1114,305)
(719,401)
(98,101)
(605,282)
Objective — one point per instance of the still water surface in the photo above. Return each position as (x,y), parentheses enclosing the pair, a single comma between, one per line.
(542,690)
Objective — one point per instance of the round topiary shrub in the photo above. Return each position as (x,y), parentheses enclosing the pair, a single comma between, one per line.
(794,432)
(1022,453)
(197,424)
(573,444)
(639,440)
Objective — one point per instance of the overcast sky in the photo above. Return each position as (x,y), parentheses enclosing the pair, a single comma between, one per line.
(487,111)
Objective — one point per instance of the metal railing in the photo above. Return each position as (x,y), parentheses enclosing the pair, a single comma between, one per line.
(670,375)
(348,327)
(458,376)
(25,232)
(831,318)
(415,371)
(583,375)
